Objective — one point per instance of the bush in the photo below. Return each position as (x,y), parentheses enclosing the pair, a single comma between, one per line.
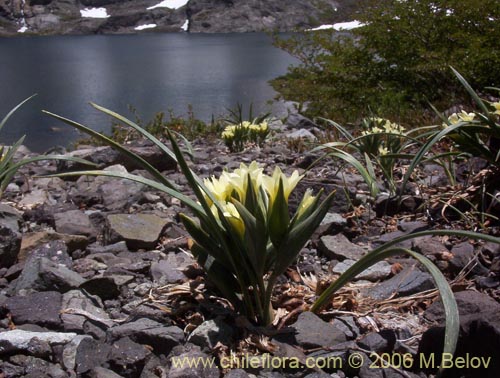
(397,62)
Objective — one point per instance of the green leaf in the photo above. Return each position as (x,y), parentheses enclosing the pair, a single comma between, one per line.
(299,235)
(129,154)
(371,258)
(279,217)
(9,114)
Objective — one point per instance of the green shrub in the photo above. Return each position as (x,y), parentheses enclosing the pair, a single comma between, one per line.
(397,62)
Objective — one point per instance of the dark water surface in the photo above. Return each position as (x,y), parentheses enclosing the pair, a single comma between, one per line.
(152,72)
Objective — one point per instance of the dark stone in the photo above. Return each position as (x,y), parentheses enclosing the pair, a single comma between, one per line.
(104,287)
(170,270)
(312,332)
(408,281)
(462,255)
(10,245)
(379,342)
(41,274)
(340,248)
(149,332)
(90,353)
(55,251)
(211,332)
(479,334)
(137,230)
(83,302)
(37,308)
(74,222)
(127,357)
(37,368)
(100,372)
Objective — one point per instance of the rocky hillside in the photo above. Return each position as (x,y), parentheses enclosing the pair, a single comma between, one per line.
(132,16)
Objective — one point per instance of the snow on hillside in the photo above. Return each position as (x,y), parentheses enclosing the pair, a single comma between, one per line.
(94,13)
(172,4)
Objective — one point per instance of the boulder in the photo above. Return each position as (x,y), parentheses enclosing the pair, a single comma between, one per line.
(137,230)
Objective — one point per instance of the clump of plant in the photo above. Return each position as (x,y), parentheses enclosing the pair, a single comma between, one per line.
(241,132)
(472,134)
(236,137)
(379,146)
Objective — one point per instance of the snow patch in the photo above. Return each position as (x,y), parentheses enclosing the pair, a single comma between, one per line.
(172,4)
(94,13)
(185,26)
(23,29)
(340,26)
(146,26)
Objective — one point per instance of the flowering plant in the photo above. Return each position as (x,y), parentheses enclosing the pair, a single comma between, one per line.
(244,235)
(249,239)
(236,136)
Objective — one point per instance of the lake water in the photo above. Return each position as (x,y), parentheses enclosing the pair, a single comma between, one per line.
(152,72)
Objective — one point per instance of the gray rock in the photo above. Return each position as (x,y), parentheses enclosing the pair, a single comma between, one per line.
(74,222)
(10,245)
(86,305)
(41,274)
(312,332)
(298,121)
(89,354)
(70,350)
(462,255)
(100,372)
(340,248)
(18,340)
(111,192)
(127,357)
(429,246)
(376,272)
(9,217)
(104,287)
(379,342)
(209,333)
(332,223)
(170,270)
(237,373)
(37,368)
(479,334)
(149,332)
(56,251)
(137,230)
(155,366)
(408,281)
(36,239)
(37,308)
(112,248)
(301,134)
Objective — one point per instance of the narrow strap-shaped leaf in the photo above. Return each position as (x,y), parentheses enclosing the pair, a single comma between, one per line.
(9,114)
(371,258)
(16,166)
(199,211)
(110,142)
(136,127)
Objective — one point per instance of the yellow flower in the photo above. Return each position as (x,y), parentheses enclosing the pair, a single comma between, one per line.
(466,117)
(220,188)
(496,105)
(271,183)
(232,215)
(453,119)
(383,151)
(307,201)
(238,179)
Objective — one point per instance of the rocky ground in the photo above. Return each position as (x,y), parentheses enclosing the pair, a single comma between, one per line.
(96,279)
(35,17)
